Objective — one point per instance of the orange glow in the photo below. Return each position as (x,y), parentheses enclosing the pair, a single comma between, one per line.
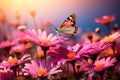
(41,54)
(42,71)
(44,39)
(45,8)
(71,55)
(99,64)
(12,60)
(29,45)
(55,10)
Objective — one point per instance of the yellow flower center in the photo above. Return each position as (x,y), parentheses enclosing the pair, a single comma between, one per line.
(28,45)
(41,54)
(42,71)
(110,51)
(45,39)
(18,51)
(96,38)
(70,55)
(99,64)
(25,40)
(109,39)
(12,60)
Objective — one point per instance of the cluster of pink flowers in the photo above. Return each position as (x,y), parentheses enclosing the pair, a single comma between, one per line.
(39,55)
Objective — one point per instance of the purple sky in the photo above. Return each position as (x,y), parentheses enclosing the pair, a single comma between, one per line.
(58,10)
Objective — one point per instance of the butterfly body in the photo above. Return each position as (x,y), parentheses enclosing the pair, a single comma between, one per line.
(68,27)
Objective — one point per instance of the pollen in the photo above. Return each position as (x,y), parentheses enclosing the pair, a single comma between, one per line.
(45,39)
(99,64)
(28,45)
(96,38)
(42,71)
(41,54)
(109,39)
(25,40)
(18,51)
(70,55)
(12,60)
(110,51)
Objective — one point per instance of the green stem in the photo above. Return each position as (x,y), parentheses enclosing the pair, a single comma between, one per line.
(73,65)
(45,49)
(42,78)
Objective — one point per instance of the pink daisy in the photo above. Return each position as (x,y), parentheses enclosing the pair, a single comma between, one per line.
(98,47)
(89,37)
(43,38)
(102,64)
(111,38)
(6,44)
(41,69)
(13,61)
(71,53)
(20,48)
(65,54)
(6,74)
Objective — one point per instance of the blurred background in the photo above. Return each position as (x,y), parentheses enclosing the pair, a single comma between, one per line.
(51,13)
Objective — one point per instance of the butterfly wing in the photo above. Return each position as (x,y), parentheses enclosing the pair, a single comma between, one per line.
(68,27)
(68,31)
(70,21)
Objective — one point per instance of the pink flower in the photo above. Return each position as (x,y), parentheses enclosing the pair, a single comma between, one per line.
(105,20)
(102,64)
(20,48)
(14,24)
(44,39)
(111,38)
(107,52)
(97,47)
(6,74)
(85,50)
(70,53)
(6,44)
(42,68)
(13,61)
(89,37)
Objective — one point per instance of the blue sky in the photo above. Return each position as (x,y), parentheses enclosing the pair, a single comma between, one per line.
(98,9)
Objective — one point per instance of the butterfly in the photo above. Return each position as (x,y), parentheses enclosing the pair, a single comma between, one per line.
(68,27)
